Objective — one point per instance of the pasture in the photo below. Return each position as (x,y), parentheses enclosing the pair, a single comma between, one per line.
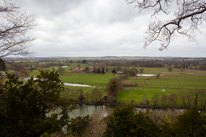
(137,93)
(175,81)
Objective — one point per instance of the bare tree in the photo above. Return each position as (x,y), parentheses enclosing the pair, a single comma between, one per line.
(201,97)
(86,69)
(187,18)
(141,71)
(173,99)
(158,75)
(96,94)
(145,100)
(102,64)
(21,70)
(164,99)
(13,28)
(114,86)
(87,96)
(61,70)
(170,69)
(155,99)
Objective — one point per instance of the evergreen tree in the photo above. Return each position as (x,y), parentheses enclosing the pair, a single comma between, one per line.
(94,71)
(24,107)
(190,124)
(84,61)
(103,71)
(98,70)
(114,70)
(125,122)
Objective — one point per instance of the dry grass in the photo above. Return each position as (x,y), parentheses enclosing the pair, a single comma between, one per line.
(97,126)
(185,71)
(158,115)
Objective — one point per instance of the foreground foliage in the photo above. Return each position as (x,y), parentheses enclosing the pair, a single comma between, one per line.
(191,123)
(28,109)
(125,122)
(78,125)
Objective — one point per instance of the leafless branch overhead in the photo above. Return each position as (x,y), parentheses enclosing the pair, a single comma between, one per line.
(14,26)
(186,19)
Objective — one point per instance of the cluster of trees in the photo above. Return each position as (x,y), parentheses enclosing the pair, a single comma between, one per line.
(185,98)
(113,87)
(150,63)
(170,100)
(79,94)
(27,65)
(60,70)
(126,121)
(99,70)
(21,70)
(28,109)
(197,64)
(127,63)
(114,70)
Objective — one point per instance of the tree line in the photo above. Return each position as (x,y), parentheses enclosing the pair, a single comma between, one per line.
(184,98)
(79,94)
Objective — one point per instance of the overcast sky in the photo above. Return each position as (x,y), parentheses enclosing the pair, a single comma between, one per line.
(85,28)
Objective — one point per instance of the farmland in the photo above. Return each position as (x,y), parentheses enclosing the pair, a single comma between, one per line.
(136,89)
(172,82)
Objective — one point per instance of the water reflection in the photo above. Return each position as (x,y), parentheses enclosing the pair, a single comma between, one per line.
(77,85)
(146,74)
(85,110)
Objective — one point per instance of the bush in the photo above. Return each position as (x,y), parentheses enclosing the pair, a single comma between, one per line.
(114,86)
(124,122)
(78,125)
(191,123)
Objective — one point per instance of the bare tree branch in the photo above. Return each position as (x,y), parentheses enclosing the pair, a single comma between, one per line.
(13,28)
(186,19)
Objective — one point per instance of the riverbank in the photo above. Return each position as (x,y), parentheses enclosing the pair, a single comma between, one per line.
(113,104)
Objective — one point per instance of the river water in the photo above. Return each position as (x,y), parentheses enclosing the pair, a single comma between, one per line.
(68,84)
(85,110)
(103,111)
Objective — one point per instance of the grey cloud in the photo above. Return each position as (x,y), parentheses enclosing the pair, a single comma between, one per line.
(98,28)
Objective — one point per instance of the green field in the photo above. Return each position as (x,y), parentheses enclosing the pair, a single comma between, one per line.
(85,89)
(96,80)
(93,79)
(190,81)
(172,82)
(137,93)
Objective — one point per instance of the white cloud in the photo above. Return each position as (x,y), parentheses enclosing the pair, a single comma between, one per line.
(98,28)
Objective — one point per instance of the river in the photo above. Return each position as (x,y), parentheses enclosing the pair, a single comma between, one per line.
(68,84)
(85,110)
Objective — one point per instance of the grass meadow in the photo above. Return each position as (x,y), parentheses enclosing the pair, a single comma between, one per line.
(172,82)
(93,79)
(85,89)
(137,93)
